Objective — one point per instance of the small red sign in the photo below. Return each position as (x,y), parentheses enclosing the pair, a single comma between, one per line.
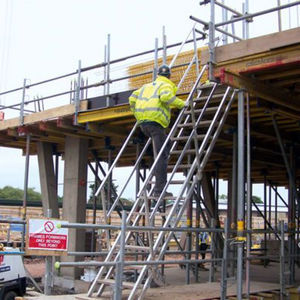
(48,241)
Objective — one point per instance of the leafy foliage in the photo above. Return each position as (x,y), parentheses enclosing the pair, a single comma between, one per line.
(255,199)
(11,193)
(124,201)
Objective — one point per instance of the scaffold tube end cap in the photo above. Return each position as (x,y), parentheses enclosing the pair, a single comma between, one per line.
(57,265)
(58,225)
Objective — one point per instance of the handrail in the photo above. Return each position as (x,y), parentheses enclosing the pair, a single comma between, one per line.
(103,64)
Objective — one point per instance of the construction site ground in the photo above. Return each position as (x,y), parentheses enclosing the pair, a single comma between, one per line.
(263,279)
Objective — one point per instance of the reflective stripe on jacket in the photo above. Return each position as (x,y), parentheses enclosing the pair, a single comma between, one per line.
(153,101)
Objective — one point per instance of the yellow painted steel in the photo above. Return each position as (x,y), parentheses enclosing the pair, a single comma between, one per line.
(240,229)
(240,225)
(105,114)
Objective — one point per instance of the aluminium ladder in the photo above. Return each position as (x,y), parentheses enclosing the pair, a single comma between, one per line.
(185,143)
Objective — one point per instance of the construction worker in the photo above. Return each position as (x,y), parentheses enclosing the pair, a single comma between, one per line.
(151,106)
(204,243)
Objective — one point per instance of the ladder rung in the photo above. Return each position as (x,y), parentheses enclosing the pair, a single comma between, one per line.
(165,198)
(172,181)
(138,248)
(171,167)
(157,213)
(178,152)
(125,284)
(185,138)
(215,96)
(197,111)
(201,124)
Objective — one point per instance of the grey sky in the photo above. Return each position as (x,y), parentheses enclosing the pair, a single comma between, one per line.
(45,38)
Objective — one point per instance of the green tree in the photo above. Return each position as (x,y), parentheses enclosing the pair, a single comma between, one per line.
(256,199)
(124,201)
(11,193)
(223,197)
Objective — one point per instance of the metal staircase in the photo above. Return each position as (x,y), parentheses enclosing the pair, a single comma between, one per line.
(190,151)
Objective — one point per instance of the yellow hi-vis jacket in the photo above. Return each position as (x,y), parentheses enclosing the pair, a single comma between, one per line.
(153,101)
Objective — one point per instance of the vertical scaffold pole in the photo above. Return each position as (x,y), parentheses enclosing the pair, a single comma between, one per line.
(120,263)
(108,71)
(265,216)
(292,223)
(155,59)
(270,208)
(246,21)
(282,262)
(110,184)
(25,187)
(94,206)
(224,19)
(249,197)
(49,265)
(276,208)
(213,254)
(105,70)
(78,86)
(23,103)
(224,262)
(164,39)
(233,203)
(279,16)
(211,41)
(240,193)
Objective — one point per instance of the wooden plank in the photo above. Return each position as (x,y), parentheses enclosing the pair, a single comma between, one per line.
(254,46)
(52,113)
(258,88)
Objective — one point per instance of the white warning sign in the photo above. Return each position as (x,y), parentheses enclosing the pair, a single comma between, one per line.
(44,234)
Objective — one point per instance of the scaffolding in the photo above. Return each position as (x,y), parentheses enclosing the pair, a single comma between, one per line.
(214,92)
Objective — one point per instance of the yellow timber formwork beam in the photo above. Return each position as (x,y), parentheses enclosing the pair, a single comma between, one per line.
(104,114)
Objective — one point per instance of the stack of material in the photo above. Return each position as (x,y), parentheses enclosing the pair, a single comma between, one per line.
(178,70)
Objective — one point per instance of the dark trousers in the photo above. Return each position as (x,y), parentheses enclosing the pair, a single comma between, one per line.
(158,135)
(203,247)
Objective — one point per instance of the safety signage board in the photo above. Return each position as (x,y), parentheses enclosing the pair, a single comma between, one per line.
(44,234)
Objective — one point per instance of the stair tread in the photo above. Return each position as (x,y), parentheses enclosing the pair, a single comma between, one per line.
(191,151)
(185,166)
(209,109)
(125,284)
(185,138)
(201,124)
(136,247)
(165,198)
(157,213)
(172,181)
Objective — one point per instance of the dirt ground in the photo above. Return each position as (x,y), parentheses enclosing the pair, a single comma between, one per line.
(36,267)
(262,279)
